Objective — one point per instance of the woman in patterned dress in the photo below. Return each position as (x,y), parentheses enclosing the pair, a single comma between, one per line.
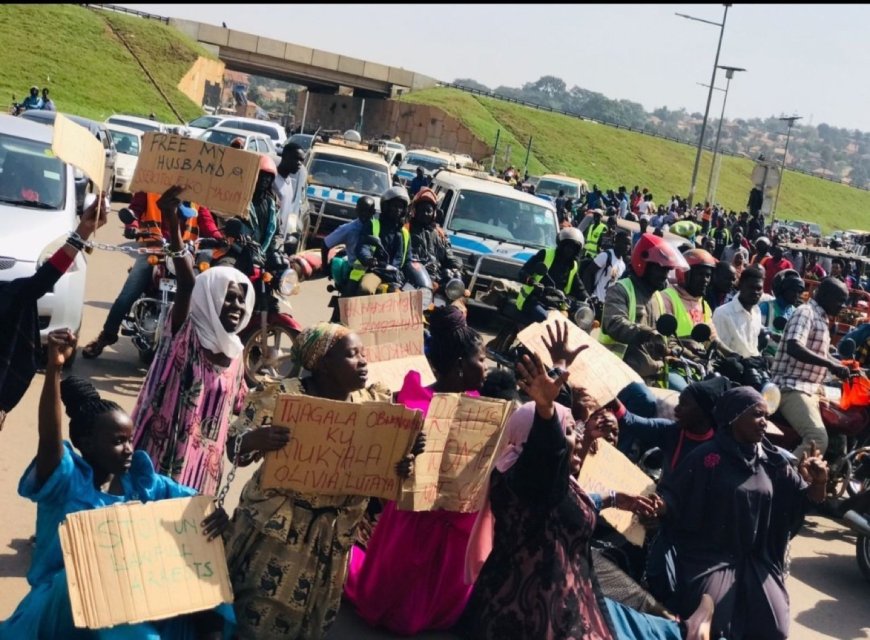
(197,378)
(288,552)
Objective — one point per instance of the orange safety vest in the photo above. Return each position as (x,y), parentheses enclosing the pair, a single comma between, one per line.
(152,219)
(707,215)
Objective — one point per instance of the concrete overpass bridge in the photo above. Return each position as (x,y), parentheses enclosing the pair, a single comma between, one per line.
(321,71)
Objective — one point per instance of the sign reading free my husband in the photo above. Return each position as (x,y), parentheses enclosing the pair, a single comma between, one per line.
(221,178)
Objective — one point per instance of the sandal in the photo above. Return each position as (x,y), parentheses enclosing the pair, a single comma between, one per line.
(95,348)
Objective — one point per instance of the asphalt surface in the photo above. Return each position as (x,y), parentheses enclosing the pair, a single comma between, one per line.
(829,597)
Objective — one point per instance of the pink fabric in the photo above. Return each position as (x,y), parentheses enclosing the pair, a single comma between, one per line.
(410,578)
(517,430)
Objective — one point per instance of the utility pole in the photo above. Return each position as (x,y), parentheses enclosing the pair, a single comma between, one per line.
(729,73)
(791,121)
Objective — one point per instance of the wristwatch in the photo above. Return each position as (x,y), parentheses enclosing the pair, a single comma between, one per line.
(555,372)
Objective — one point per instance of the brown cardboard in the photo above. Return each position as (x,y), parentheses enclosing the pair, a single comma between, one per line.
(77,146)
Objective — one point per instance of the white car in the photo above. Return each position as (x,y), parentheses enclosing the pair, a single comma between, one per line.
(37,212)
(256,142)
(142,124)
(128,141)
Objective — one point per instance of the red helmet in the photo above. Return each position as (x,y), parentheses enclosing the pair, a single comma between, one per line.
(695,258)
(426,194)
(651,248)
(268,165)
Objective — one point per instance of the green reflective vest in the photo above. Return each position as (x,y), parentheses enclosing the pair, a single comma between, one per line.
(684,320)
(592,238)
(359,270)
(549,257)
(618,348)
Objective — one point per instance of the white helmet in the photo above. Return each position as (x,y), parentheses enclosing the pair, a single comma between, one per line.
(396,192)
(570,234)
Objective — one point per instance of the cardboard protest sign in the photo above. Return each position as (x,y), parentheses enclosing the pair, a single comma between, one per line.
(390,326)
(134,562)
(340,448)
(609,470)
(462,439)
(76,145)
(221,178)
(597,369)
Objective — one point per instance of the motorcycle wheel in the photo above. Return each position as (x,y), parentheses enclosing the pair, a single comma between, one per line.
(840,478)
(275,363)
(146,356)
(862,554)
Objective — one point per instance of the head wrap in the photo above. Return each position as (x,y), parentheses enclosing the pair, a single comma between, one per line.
(206,304)
(517,430)
(734,403)
(707,393)
(315,342)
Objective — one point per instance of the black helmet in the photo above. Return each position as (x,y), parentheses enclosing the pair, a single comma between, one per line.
(365,206)
(785,280)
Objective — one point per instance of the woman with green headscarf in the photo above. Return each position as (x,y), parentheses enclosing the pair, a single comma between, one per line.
(288,552)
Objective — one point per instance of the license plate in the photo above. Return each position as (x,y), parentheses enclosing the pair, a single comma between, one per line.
(167,284)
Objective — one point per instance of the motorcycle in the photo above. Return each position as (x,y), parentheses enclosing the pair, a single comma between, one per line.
(857,520)
(675,357)
(144,323)
(504,349)
(269,335)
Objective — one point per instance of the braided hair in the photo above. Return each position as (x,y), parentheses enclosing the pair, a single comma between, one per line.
(83,405)
(451,339)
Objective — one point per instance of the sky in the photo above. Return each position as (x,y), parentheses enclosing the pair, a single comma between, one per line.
(809,59)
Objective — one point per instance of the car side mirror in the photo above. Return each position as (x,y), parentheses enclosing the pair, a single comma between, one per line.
(126,216)
(701,332)
(667,325)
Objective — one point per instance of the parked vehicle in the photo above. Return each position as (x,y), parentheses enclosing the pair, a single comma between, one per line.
(430,160)
(339,173)
(137,122)
(550,184)
(493,227)
(272,130)
(102,134)
(256,142)
(37,212)
(128,142)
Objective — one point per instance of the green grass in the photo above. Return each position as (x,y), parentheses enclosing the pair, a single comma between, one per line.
(72,51)
(612,157)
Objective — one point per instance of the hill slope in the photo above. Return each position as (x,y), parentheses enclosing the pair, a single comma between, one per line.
(72,51)
(612,157)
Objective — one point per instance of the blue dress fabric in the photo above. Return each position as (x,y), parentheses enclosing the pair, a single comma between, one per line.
(45,612)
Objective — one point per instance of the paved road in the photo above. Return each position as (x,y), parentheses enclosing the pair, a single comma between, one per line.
(829,597)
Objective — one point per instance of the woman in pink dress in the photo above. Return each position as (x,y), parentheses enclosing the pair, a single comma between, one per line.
(197,378)
(410,577)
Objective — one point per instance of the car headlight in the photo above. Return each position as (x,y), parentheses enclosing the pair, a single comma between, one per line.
(51,248)
(454,289)
(289,283)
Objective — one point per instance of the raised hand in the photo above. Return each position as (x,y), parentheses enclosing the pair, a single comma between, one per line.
(215,523)
(93,217)
(812,467)
(405,466)
(169,203)
(534,381)
(61,345)
(560,354)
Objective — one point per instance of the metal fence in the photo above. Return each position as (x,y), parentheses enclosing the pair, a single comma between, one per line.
(571,114)
(133,12)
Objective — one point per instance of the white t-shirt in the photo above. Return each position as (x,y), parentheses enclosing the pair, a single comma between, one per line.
(606,276)
(291,195)
(738,328)
(643,207)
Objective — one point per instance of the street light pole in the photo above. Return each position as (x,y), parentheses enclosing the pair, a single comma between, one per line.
(729,73)
(709,98)
(791,121)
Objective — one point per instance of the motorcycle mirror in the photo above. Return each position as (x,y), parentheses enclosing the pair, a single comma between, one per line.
(667,325)
(779,323)
(763,340)
(126,216)
(701,332)
(847,348)
(540,269)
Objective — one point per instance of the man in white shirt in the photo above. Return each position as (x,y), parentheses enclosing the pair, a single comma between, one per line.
(608,266)
(290,186)
(738,322)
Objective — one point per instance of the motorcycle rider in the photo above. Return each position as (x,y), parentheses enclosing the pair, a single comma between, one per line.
(802,363)
(349,233)
(290,186)
(723,285)
(33,101)
(562,267)
(262,222)
(738,322)
(633,305)
(594,231)
(787,289)
(395,238)
(198,221)
(429,244)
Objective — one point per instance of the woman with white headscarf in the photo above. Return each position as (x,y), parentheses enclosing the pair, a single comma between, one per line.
(197,378)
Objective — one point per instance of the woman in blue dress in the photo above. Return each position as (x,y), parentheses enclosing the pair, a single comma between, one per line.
(106,471)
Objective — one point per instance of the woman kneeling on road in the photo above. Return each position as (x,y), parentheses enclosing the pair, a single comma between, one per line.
(197,378)
(107,472)
(288,552)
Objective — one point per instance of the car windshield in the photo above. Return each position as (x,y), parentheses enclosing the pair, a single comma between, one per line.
(427,163)
(547,187)
(349,174)
(125,142)
(265,129)
(503,218)
(30,175)
(142,126)
(204,122)
(216,136)
(302,139)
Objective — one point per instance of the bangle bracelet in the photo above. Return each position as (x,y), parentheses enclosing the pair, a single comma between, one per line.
(76,243)
(613,499)
(178,254)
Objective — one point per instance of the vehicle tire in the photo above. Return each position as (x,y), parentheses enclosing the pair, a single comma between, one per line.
(840,479)
(862,554)
(146,357)
(259,369)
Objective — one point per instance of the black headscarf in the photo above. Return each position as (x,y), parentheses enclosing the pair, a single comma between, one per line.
(735,403)
(708,393)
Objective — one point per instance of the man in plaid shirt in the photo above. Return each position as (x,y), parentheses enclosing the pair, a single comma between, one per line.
(802,365)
